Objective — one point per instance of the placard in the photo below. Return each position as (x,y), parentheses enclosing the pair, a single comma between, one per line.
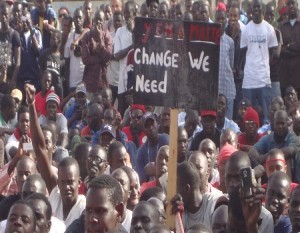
(176,64)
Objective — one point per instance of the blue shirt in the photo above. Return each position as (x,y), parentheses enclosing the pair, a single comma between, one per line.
(226,79)
(267,143)
(229,124)
(148,154)
(284,225)
(70,110)
(49,15)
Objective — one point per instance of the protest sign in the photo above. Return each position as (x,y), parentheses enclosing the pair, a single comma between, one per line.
(176,63)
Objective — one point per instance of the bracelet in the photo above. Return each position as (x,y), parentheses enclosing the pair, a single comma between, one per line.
(30,104)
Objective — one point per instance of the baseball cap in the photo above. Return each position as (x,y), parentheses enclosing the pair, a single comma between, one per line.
(81,88)
(108,129)
(53,97)
(205,113)
(138,106)
(16,93)
(149,115)
(245,103)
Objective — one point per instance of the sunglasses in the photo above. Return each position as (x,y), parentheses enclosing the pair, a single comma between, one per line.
(62,15)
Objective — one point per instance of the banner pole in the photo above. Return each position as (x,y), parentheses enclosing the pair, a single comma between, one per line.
(172,166)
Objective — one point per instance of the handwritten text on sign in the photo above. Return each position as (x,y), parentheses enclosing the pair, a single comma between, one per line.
(176,64)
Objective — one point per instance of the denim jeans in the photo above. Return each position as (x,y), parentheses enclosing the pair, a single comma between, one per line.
(275,90)
(229,112)
(260,96)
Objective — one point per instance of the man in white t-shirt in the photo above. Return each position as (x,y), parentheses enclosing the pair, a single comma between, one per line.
(198,208)
(122,45)
(258,40)
(114,66)
(72,54)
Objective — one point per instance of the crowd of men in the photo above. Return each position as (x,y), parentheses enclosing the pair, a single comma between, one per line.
(78,155)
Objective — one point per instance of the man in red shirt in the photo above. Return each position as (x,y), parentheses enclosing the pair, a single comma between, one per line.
(250,136)
(135,131)
(40,98)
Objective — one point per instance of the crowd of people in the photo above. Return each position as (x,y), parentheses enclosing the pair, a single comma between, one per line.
(78,155)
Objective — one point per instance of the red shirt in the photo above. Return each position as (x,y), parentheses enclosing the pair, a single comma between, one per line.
(147,185)
(242,139)
(40,103)
(142,135)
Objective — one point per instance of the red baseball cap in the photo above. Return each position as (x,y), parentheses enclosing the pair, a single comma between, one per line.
(208,113)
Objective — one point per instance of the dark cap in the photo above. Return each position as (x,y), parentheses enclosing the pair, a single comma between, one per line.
(108,129)
(149,115)
(245,103)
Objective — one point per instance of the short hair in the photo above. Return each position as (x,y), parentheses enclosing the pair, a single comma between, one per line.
(42,197)
(117,13)
(47,128)
(222,95)
(64,8)
(22,109)
(151,192)
(112,186)
(47,72)
(7,101)
(69,18)
(58,33)
(77,10)
(133,4)
(67,162)
(187,172)
(112,147)
(23,202)
(78,153)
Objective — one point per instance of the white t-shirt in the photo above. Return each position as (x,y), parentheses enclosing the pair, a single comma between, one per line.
(76,64)
(61,122)
(57,226)
(123,39)
(127,221)
(258,38)
(113,67)
(204,214)
(57,207)
(11,142)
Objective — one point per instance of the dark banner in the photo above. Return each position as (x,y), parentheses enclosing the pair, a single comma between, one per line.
(176,63)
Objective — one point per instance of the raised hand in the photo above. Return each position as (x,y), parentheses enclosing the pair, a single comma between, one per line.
(30,93)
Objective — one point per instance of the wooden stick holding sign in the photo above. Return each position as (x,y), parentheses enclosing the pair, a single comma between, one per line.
(172,165)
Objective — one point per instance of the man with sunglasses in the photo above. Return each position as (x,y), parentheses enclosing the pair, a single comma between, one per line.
(135,131)
(250,136)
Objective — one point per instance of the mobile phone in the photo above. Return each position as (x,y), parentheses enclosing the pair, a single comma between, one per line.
(246,175)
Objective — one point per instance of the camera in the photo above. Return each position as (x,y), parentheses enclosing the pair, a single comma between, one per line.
(77,50)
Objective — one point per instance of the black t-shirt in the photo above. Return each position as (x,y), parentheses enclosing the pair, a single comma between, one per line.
(199,137)
(53,63)
(8,42)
